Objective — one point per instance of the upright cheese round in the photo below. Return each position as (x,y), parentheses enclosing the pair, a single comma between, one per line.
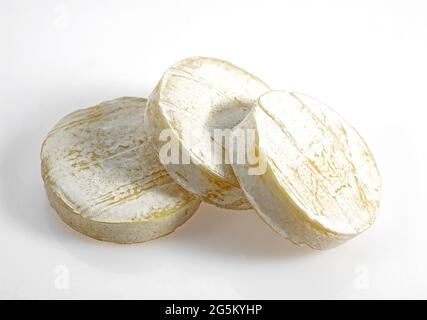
(321,185)
(195,97)
(104,179)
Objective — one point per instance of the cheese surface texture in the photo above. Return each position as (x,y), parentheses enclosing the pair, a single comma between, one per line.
(105,180)
(195,97)
(321,186)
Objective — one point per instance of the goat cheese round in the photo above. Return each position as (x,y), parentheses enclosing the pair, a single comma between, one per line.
(197,100)
(104,179)
(316,182)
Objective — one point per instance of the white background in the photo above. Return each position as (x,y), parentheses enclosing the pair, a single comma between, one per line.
(366,59)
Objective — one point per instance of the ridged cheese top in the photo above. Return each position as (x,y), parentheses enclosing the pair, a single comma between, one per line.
(99,163)
(319,160)
(203,94)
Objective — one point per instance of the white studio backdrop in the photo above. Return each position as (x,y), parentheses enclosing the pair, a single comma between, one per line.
(366,59)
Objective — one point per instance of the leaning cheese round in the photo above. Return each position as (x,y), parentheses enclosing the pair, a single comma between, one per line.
(104,179)
(196,99)
(317,182)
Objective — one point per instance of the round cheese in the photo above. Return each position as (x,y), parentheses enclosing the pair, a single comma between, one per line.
(319,185)
(197,100)
(104,179)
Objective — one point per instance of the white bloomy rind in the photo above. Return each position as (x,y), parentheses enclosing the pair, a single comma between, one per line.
(196,96)
(321,186)
(104,179)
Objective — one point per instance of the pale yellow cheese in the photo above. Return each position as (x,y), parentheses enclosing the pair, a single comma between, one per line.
(321,185)
(104,179)
(197,96)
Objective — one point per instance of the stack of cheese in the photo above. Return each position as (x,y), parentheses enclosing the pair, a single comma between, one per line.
(130,170)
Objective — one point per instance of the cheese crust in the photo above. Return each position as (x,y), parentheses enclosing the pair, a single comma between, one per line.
(321,186)
(104,179)
(197,96)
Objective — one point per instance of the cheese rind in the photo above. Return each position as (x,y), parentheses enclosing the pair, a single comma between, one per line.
(104,179)
(194,97)
(321,186)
